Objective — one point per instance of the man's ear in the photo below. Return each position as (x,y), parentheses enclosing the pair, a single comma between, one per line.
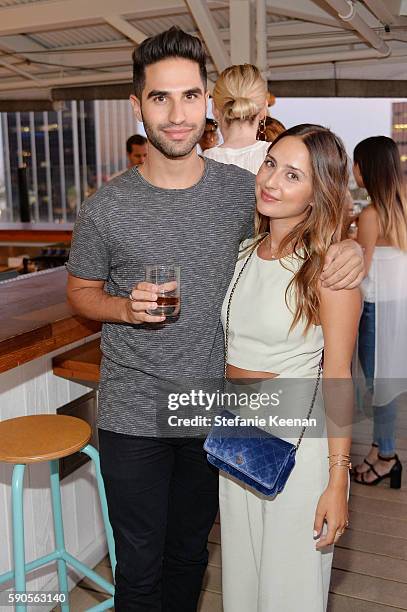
(135,102)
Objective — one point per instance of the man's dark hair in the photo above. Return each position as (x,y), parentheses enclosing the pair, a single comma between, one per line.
(171,43)
(136,139)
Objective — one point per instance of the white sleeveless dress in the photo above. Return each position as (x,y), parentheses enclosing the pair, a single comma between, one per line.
(269,561)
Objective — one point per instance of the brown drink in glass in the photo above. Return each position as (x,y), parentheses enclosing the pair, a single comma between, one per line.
(168,279)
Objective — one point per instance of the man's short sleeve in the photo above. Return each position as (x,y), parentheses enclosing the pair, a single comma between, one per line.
(89,256)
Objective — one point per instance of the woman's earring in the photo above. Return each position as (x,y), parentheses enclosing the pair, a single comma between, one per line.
(261,132)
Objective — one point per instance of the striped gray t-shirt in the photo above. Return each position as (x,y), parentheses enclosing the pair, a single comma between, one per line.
(129,223)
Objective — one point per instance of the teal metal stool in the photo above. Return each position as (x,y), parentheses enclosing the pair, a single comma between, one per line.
(48,437)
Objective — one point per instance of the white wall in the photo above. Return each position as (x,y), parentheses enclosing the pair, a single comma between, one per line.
(353,119)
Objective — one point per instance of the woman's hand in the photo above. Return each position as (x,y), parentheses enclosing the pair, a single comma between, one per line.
(332,508)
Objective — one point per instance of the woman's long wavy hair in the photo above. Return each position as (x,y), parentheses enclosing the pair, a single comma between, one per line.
(310,239)
(379,164)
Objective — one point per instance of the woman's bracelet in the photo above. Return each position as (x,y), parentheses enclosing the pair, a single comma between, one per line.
(339,455)
(344,464)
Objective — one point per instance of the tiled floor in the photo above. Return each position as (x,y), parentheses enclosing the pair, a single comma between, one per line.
(87,594)
(370,562)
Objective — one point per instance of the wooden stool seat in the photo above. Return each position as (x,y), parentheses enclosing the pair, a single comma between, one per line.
(48,438)
(41,437)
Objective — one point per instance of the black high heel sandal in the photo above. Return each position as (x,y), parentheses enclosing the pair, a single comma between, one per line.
(355,472)
(394,474)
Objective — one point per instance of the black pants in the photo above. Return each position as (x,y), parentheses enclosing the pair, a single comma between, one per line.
(163,499)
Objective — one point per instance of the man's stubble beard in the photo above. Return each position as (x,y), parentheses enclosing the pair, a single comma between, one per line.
(169,149)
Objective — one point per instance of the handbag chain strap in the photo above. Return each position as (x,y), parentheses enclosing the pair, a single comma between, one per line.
(314,395)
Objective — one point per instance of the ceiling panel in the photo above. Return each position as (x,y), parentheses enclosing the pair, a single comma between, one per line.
(77,36)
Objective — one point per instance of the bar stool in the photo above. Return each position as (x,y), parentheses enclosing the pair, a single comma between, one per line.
(49,437)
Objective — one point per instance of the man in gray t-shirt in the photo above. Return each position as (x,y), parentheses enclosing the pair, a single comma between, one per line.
(179,208)
(116,234)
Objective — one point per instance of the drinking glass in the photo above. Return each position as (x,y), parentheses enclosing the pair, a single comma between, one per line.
(168,279)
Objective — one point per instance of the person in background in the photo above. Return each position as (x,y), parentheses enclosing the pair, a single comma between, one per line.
(210,136)
(270,130)
(136,147)
(239,104)
(382,232)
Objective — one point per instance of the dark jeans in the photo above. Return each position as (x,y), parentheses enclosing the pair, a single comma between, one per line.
(384,417)
(163,499)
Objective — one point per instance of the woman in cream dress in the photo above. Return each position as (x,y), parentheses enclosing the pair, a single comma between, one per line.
(277,552)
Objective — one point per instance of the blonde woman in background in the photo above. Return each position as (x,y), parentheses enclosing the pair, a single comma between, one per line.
(239,104)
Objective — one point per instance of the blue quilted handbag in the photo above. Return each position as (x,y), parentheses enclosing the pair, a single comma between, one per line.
(250,454)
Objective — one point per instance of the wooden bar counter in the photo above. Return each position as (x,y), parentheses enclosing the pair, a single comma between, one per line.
(35,318)
(38,233)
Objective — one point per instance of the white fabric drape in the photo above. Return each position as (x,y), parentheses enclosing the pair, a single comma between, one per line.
(388,277)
